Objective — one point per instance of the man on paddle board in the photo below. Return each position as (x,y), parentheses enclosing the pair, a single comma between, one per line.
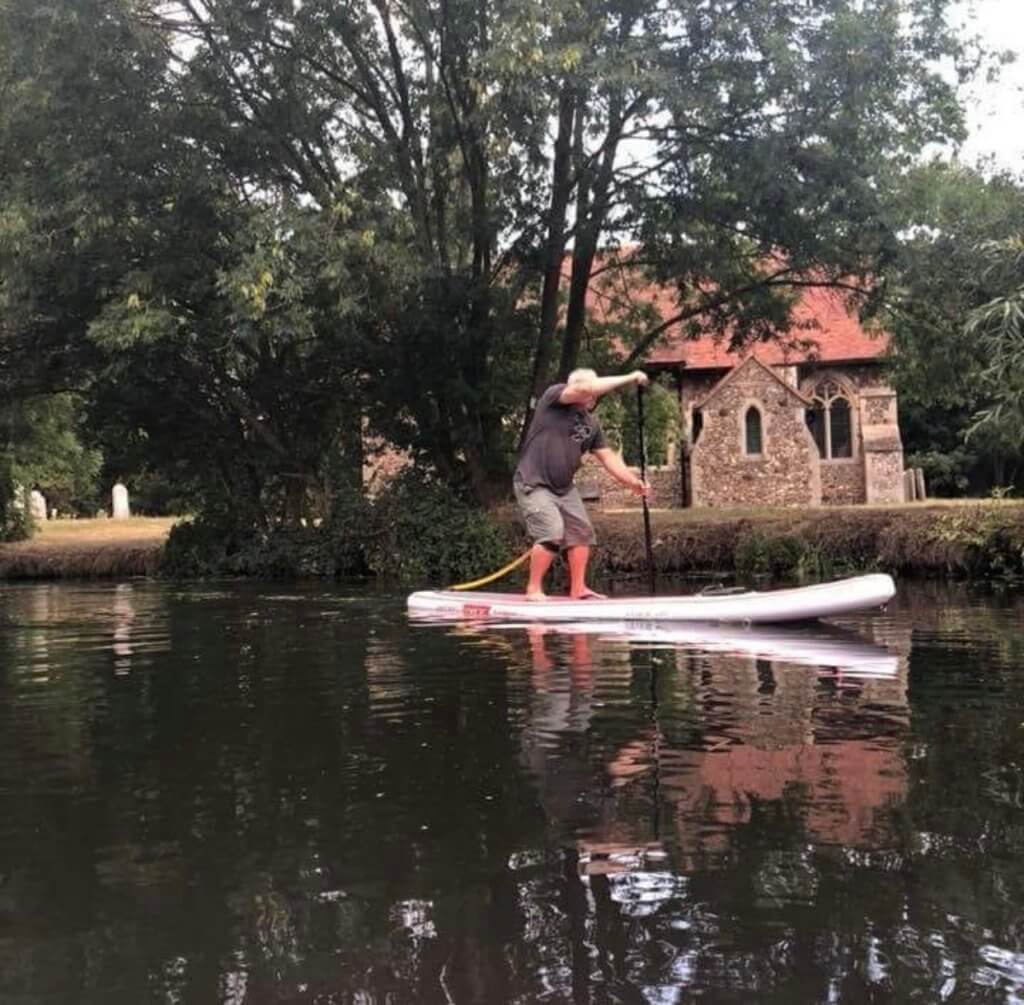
(562,431)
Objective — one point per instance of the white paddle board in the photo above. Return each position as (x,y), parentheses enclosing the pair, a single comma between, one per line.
(844,596)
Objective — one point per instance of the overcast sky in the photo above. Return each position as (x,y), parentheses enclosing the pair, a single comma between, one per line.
(996,110)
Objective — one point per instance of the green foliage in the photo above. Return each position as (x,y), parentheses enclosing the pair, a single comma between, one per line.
(15,522)
(620,419)
(772,555)
(946,473)
(421,530)
(998,325)
(416,530)
(252,394)
(46,453)
(203,548)
(985,543)
(953,362)
(780,126)
(311,215)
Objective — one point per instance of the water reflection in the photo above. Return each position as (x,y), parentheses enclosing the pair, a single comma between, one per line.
(245,795)
(724,733)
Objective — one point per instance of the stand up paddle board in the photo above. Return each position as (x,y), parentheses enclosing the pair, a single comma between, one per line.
(845,596)
(820,645)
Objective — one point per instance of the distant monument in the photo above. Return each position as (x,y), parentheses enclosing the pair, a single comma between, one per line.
(121,508)
(37,505)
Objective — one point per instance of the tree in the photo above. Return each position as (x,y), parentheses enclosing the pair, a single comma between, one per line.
(953,221)
(195,317)
(742,151)
(999,328)
(43,451)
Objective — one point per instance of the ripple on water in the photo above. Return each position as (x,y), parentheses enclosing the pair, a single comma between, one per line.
(265,793)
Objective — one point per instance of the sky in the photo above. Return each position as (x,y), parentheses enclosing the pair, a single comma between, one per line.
(995,111)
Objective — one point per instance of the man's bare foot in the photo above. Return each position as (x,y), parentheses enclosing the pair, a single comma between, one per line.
(536,595)
(587,594)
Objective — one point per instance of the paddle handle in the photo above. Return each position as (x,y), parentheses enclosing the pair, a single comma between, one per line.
(643,475)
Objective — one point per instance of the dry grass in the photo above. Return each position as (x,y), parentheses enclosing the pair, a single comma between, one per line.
(88,548)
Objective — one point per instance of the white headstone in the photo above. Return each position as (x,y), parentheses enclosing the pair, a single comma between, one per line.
(37,505)
(121,509)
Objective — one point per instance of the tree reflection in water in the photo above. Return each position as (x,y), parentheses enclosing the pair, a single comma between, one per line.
(245,795)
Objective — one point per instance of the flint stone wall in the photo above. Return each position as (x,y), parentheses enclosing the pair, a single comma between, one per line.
(786,473)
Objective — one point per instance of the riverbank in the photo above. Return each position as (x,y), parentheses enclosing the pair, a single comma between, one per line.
(954,538)
(963,539)
(88,549)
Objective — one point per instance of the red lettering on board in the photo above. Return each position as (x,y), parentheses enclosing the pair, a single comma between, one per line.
(476,610)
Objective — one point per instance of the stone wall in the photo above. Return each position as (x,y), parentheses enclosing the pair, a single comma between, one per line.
(842,481)
(883,448)
(599,488)
(786,473)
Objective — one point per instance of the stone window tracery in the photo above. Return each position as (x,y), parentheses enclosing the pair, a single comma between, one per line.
(830,420)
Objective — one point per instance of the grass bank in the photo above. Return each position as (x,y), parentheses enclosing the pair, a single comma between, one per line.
(85,549)
(974,539)
(963,539)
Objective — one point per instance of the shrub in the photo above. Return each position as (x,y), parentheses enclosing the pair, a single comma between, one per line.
(760,554)
(15,521)
(422,530)
(417,529)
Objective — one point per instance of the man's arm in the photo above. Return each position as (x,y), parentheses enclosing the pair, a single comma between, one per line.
(616,467)
(581,391)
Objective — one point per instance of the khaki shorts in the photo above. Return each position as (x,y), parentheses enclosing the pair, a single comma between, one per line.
(554,519)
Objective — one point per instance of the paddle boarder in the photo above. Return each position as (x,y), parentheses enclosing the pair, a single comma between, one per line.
(562,431)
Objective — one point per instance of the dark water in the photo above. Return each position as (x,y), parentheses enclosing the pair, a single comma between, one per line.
(278,795)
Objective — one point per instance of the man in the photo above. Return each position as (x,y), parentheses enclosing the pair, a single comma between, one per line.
(562,431)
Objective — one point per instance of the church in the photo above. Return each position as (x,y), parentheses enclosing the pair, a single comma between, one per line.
(807,421)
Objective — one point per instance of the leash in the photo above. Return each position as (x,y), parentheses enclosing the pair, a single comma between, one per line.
(503,571)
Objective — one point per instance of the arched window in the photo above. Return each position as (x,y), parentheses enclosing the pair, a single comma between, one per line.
(830,421)
(753,440)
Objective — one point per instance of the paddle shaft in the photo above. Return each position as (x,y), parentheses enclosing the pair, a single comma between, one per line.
(643,475)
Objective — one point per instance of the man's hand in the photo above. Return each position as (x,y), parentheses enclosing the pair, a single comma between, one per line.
(640,488)
(640,378)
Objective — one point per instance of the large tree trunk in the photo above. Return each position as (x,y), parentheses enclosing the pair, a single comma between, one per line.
(554,248)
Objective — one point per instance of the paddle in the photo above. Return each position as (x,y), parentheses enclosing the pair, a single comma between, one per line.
(643,475)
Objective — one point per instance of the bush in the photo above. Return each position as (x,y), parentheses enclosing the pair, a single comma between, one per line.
(759,554)
(203,548)
(416,530)
(422,530)
(15,520)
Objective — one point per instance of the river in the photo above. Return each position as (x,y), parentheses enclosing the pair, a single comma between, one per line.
(259,794)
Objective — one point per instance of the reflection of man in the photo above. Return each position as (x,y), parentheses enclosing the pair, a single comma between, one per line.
(562,431)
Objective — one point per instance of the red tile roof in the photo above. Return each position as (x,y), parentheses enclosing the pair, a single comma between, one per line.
(823,329)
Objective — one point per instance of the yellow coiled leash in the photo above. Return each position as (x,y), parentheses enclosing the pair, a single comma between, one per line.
(503,571)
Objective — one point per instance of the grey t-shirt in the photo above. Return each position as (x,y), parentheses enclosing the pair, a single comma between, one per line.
(559,436)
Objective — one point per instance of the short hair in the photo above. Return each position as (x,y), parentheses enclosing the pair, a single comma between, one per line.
(581,375)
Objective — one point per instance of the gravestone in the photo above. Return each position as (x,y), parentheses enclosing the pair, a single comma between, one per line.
(909,486)
(920,491)
(37,505)
(121,508)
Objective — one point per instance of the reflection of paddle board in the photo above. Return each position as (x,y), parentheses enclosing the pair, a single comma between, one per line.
(811,645)
(800,604)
